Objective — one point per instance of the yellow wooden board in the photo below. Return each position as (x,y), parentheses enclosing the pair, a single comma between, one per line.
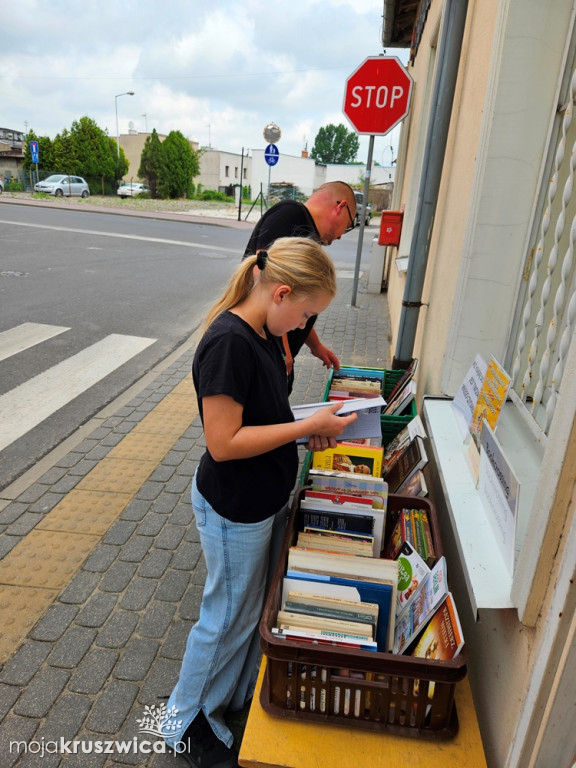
(272,742)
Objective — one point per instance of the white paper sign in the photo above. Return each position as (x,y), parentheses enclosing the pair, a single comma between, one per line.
(499,488)
(467,396)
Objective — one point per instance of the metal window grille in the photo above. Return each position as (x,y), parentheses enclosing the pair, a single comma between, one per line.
(548,315)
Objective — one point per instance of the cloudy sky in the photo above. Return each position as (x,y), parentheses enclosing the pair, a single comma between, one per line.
(217,71)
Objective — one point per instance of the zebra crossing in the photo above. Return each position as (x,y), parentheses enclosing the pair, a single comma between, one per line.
(30,403)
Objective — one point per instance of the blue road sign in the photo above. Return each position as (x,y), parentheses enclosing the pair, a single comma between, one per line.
(34,151)
(271,154)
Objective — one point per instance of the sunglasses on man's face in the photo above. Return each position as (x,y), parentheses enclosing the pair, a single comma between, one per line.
(352,222)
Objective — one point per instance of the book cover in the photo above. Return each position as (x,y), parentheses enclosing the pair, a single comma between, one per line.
(384,595)
(367,424)
(336,520)
(442,637)
(412,572)
(374,488)
(492,397)
(427,597)
(393,448)
(403,400)
(406,377)
(412,458)
(415,485)
(361,459)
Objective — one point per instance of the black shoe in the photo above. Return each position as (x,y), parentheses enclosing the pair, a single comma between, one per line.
(203,749)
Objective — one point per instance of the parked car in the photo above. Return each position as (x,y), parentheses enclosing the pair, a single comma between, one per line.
(60,184)
(1,186)
(132,188)
(361,210)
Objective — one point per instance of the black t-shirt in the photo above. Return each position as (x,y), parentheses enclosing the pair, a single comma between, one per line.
(233,360)
(288,218)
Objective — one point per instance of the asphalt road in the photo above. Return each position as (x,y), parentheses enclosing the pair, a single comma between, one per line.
(103,286)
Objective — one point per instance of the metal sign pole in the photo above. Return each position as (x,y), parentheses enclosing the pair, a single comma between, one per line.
(362,222)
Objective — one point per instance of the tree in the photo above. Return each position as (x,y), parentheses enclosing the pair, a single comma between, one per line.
(179,165)
(335,144)
(95,154)
(151,162)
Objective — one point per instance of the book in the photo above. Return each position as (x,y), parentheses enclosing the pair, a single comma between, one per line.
(336,520)
(331,607)
(412,458)
(412,572)
(414,616)
(336,541)
(317,505)
(415,485)
(326,638)
(367,424)
(406,377)
(393,448)
(442,637)
(383,595)
(402,400)
(306,621)
(360,459)
(428,540)
(374,488)
(491,398)
(376,569)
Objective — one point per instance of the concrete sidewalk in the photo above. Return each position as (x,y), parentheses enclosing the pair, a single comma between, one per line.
(101,572)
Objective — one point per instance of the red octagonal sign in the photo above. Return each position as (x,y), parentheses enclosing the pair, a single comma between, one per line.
(377,95)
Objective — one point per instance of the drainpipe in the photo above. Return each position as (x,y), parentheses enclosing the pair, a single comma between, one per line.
(435,148)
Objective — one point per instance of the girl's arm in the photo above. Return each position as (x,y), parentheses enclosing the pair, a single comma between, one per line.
(227,439)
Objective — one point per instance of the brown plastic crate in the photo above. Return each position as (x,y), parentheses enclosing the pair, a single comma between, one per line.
(352,688)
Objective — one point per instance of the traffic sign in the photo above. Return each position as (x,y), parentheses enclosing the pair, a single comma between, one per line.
(271,154)
(377,95)
(34,151)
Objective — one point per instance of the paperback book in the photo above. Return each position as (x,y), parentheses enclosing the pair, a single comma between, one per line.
(412,458)
(414,616)
(442,637)
(356,459)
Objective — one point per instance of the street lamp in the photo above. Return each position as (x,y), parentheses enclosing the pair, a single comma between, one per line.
(126,93)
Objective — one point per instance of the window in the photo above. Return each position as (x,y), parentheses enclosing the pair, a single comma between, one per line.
(227,171)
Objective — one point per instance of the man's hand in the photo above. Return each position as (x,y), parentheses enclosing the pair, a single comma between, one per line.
(322,352)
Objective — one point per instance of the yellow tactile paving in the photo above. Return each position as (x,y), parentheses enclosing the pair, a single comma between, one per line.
(162,423)
(119,475)
(20,608)
(142,446)
(91,512)
(34,572)
(46,559)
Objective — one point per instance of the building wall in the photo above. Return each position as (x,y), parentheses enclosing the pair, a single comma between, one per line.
(133,143)
(511,62)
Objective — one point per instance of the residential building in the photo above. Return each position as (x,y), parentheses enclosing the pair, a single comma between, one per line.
(485,265)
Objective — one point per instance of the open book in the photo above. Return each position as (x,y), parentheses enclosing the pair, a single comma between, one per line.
(367,424)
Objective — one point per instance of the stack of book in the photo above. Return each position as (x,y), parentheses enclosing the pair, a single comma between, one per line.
(403,392)
(403,460)
(350,600)
(337,506)
(412,527)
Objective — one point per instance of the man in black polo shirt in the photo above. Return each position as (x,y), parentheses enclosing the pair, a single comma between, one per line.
(325,216)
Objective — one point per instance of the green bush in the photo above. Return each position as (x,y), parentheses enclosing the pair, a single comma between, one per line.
(13,185)
(211,194)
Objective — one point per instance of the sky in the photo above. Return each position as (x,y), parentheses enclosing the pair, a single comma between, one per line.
(218,72)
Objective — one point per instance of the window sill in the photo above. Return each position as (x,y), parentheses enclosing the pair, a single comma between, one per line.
(488,579)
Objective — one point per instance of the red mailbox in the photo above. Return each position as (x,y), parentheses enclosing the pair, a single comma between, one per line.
(390,227)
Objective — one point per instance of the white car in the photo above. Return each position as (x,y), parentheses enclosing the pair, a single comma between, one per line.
(1,186)
(60,184)
(132,188)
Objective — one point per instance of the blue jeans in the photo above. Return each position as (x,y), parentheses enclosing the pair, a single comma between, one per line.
(220,664)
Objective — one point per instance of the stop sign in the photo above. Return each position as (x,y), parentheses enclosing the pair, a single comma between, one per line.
(377,95)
